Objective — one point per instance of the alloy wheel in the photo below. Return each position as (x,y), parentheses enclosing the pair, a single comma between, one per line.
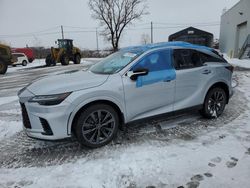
(216,103)
(98,127)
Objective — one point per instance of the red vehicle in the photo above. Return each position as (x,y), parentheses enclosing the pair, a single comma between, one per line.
(27,51)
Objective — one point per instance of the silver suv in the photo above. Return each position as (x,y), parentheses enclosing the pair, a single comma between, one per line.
(131,84)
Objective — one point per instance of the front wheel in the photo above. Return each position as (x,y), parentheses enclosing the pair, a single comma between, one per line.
(24,63)
(65,60)
(48,60)
(215,103)
(97,125)
(77,59)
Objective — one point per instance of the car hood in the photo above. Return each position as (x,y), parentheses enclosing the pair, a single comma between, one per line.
(67,82)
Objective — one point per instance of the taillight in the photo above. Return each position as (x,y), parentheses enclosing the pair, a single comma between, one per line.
(230,68)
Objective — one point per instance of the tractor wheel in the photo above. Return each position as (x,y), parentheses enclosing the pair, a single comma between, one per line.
(77,59)
(65,60)
(48,60)
(3,67)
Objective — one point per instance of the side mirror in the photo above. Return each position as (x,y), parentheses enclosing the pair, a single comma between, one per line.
(133,75)
(55,42)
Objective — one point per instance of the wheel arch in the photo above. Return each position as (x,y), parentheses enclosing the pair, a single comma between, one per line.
(222,85)
(75,115)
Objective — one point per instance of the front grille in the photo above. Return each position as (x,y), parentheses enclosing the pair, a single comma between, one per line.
(26,120)
(46,127)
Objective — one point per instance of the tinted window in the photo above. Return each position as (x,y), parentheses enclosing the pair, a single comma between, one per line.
(155,61)
(18,55)
(184,59)
(211,58)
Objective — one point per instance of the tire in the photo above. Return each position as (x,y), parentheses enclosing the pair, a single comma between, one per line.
(97,126)
(24,63)
(64,60)
(214,103)
(3,67)
(48,60)
(77,59)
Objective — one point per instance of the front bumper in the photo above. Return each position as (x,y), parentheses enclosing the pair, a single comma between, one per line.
(45,122)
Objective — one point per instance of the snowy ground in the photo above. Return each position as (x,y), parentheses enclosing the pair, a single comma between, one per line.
(187,151)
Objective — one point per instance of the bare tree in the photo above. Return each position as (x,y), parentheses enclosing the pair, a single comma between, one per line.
(115,15)
(145,39)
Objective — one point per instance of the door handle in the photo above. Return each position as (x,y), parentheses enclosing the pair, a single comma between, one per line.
(206,72)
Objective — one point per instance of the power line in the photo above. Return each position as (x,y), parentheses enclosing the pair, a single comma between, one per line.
(91,30)
(31,33)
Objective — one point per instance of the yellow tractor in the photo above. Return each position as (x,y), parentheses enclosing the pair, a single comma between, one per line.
(5,58)
(64,53)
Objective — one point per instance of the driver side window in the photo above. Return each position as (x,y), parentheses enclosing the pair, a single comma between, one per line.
(155,61)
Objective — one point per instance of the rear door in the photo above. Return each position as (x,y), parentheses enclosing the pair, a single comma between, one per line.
(192,76)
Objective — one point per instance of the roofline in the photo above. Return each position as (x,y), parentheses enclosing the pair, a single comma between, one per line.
(231,8)
(191,27)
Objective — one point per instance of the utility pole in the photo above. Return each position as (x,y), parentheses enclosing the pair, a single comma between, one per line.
(97,44)
(62,32)
(152,40)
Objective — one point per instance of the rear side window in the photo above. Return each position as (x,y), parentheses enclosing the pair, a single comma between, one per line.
(185,59)
(206,58)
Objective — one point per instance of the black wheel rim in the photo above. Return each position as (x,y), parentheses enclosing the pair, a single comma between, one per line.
(98,127)
(216,103)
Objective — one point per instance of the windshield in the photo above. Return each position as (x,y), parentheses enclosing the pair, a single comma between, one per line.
(114,63)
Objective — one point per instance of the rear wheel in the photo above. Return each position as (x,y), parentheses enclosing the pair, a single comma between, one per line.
(215,103)
(97,125)
(3,67)
(77,59)
(65,60)
(24,63)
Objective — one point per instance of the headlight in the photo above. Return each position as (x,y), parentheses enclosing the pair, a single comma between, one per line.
(48,100)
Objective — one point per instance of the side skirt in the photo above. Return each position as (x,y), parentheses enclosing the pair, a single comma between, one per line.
(169,115)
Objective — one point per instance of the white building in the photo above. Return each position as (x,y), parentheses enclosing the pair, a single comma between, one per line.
(235,30)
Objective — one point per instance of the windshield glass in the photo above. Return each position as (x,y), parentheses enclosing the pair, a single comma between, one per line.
(114,63)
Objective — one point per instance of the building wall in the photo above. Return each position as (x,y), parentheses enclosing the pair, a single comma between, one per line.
(235,28)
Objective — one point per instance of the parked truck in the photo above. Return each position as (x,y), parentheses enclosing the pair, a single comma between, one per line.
(27,51)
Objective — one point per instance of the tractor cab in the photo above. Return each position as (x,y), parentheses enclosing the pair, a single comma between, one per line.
(65,43)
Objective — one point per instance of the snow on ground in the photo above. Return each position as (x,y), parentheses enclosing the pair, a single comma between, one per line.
(220,158)
(4,100)
(244,63)
(41,62)
(9,129)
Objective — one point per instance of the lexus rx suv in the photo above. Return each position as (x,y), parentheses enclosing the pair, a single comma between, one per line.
(131,84)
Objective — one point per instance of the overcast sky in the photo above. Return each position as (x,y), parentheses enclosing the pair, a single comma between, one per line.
(37,22)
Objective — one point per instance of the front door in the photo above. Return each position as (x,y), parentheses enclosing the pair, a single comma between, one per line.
(151,94)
